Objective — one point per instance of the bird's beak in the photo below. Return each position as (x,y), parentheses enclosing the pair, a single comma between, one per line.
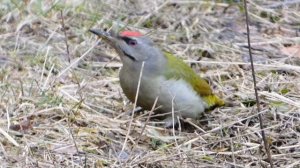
(113,39)
(109,37)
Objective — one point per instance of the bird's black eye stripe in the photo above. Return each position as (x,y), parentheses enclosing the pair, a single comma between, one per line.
(129,41)
(129,56)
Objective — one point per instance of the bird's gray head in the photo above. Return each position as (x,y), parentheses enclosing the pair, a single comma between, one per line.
(133,48)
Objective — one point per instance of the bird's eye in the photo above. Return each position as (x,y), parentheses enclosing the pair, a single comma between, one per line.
(132,42)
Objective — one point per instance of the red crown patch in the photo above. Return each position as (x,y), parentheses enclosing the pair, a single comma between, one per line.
(131,34)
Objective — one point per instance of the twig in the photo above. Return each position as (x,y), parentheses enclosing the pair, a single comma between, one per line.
(148,118)
(8,137)
(219,128)
(76,61)
(232,150)
(191,2)
(173,121)
(71,133)
(143,19)
(194,125)
(144,127)
(65,33)
(275,40)
(44,65)
(133,110)
(272,66)
(284,4)
(48,77)
(267,148)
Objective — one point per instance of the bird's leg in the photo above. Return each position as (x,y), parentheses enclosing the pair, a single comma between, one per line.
(136,110)
(169,122)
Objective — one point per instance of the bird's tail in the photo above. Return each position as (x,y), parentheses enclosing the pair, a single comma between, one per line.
(213,101)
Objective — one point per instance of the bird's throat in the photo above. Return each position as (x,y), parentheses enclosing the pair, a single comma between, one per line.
(129,56)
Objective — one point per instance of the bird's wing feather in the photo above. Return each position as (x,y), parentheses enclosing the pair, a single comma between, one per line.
(179,70)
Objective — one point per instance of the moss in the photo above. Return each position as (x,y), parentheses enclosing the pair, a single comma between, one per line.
(249,103)
(284,91)
(148,24)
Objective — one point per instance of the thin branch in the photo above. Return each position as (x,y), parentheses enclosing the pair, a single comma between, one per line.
(144,127)
(266,144)
(65,33)
(77,60)
(133,110)
(143,19)
(147,121)
(70,131)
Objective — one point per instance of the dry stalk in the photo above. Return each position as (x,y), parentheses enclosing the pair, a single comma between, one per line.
(65,34)
(133,110)
(266,144)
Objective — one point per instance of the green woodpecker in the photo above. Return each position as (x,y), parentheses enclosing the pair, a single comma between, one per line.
(178,88)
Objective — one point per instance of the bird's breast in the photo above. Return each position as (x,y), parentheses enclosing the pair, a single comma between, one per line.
(172,94)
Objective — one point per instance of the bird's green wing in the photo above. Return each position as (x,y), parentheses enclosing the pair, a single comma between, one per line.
(179,70)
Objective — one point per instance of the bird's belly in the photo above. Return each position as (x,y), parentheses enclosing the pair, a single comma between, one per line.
(185,99)
(172,94)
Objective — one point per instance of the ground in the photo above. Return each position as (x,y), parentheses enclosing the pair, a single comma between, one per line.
(61,104)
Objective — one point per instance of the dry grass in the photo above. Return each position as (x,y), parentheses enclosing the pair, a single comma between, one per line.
(56,113)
